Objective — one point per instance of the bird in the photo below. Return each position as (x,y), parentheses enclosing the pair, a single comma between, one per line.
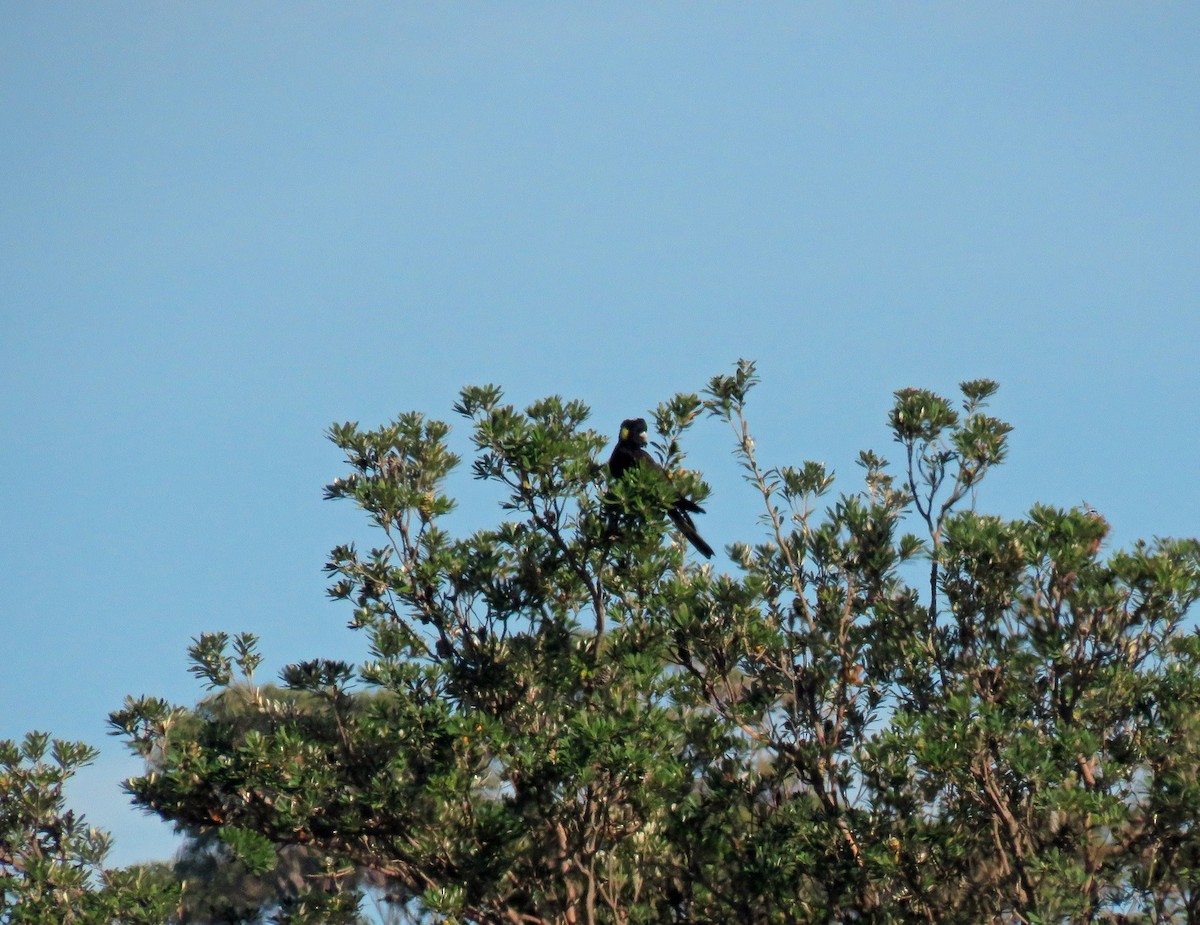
(1096,517)
(630,453)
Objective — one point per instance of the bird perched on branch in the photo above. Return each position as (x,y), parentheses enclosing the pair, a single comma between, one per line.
(1096,517)
(629,453)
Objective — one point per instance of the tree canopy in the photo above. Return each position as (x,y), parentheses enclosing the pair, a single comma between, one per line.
(564,719)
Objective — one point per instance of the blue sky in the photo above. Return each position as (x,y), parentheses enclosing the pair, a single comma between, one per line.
(226,225)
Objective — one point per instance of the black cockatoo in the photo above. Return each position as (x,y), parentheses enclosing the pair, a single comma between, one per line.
(629,452)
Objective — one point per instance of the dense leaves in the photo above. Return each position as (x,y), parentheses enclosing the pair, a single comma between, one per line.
(51,859)
(564,720)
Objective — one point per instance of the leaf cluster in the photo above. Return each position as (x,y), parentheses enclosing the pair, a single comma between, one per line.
(51,860)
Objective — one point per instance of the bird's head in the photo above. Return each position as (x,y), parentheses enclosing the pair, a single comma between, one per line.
(634,429)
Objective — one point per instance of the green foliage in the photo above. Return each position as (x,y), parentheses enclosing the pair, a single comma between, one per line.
(564,720)
(50,859)
(236,877)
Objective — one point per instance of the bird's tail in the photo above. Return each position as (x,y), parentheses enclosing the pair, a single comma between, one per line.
(688,529)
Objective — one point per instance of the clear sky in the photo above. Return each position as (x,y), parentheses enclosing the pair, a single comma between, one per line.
(225,225)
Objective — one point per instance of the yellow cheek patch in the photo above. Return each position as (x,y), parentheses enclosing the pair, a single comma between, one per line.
(624,433)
